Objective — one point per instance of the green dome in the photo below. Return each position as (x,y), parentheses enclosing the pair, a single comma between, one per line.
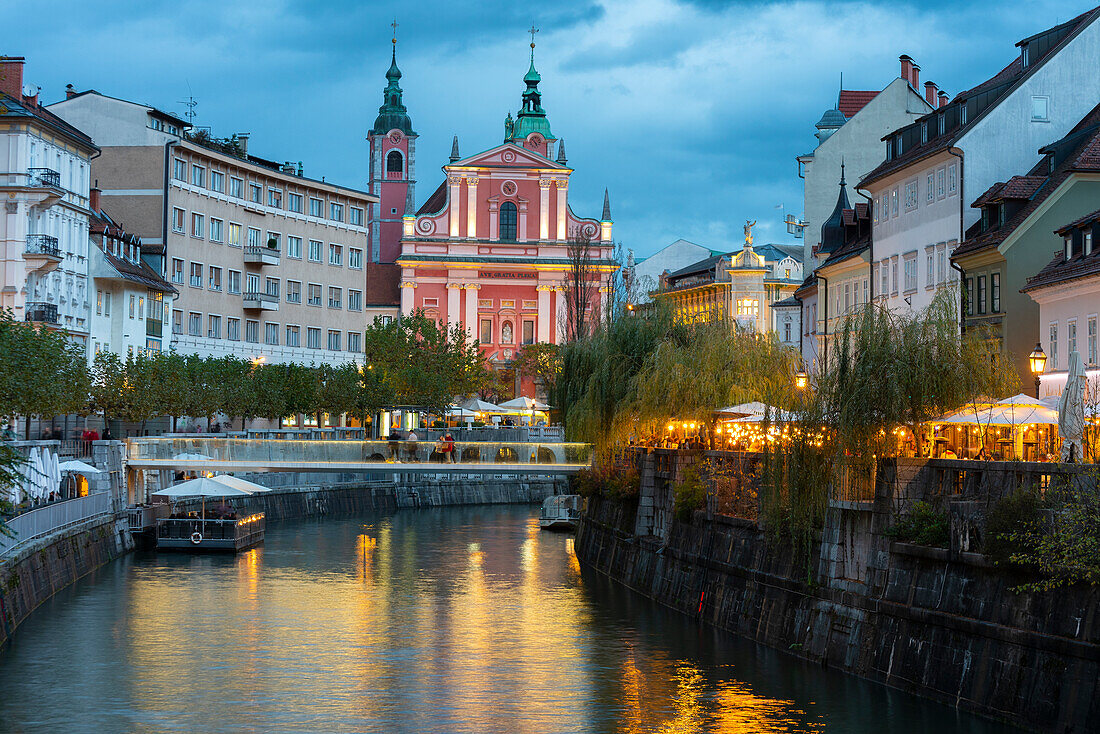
(392,114)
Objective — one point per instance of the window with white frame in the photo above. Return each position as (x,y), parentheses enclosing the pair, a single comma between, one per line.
(215,230)
(335,255)
(294,247)
(196,275)
(271,287)
(910,273)
(929,267)
(941,264)
(930,188)
(275,198)
(1071,336)
(894,275)
(214,327)
(215,278)
(334,297)
(894,203)
(233,329)
(885,206)
(294,291)
(217,181)
(234,235)
(313,338)
(995,293)
(334,340)
(177,321)
(315,247)
(177,270)
(910,195)
(293,336)
(952,180)
(336,212)
(256,193)
(252,331)
(254,236)
(294,204)
(233,285)
(197,221)
(194,324)
(198,176)
(941,178)
(179,169)
(981,294)
(236,187)
(177,219)
(884,269)
(273,240)
(355,341)
(355,216)
(486,331)
(355,300)
(355,258)
(251,283)
(316,207)
(1092,340)
(314,294)
(271,333)
(1040,109)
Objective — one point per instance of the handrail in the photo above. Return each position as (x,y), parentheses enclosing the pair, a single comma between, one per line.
(53,517)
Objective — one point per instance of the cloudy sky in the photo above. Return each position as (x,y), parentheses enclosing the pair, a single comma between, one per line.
(690,113)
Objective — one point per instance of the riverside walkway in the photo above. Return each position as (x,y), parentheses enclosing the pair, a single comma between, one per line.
(406,457)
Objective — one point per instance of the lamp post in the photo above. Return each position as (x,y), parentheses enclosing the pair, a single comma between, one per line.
(801,380)
(1038,361)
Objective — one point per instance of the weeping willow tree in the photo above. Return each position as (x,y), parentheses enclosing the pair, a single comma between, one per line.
(886,371)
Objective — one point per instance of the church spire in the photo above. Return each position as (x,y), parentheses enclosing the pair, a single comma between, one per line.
(561,152)
(454,150)
(832,231)
(392,114)
(606,207)
(531,117)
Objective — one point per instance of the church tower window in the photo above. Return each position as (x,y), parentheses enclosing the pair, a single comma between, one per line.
(508,218)
(394,164)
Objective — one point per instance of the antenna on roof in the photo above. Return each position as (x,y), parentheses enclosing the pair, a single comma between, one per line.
(190,103)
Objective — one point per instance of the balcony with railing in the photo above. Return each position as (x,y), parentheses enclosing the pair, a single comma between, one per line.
(46,177)
(41,313)
(260,300)
(42,252)
(260,255)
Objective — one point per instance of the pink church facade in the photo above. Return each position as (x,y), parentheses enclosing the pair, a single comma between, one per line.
(489,250)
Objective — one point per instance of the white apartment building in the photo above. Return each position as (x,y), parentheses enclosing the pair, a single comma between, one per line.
(267,263)
(44,181)
(132,303)
(935,166)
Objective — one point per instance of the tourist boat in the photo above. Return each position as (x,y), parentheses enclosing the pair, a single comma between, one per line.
(560,512)
(210,534)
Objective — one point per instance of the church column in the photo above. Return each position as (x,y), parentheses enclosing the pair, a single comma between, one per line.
(521,232)
(563,206)
(471,309)
(453,213)
(544,209)
(454,293)
(544,312)
(408,297)
(494,214)
(471,207)
(559,314)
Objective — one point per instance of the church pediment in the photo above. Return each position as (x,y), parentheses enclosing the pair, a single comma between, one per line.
(508,155)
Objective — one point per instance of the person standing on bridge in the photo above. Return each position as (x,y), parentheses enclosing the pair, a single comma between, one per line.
(410,446)
(449,449)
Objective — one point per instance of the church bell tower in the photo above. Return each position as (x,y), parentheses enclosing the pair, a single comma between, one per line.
(392,167)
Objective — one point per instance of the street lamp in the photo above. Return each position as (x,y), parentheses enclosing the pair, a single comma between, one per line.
(801,380)
(1038,361)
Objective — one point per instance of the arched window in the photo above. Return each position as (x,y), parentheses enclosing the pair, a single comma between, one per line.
(508,221)
(394,163)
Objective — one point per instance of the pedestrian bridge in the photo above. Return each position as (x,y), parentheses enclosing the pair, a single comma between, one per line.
(404,457)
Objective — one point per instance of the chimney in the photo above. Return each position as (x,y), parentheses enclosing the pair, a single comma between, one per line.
(287,167)
(70,91)
(242,138)
(906,67)
(930,94)
(93,197)
(915,81)
(944,99)
(11,76)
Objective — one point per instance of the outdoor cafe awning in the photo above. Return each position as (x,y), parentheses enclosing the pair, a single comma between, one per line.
(1018,410)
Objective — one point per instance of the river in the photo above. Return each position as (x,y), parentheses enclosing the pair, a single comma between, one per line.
(450,620)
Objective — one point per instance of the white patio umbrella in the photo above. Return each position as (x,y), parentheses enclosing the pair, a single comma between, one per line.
(241,484)
(201,487)
(524,403)
(77,467)
(458,410)
(192,457)
(1071,410)
(54,471)
(753,408)
(482,406)
(37,474)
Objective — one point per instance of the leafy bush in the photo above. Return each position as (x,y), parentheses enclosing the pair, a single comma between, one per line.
(438,424)
(608,482)
(478,424)
(1008,525)
(922,525)
(689,494)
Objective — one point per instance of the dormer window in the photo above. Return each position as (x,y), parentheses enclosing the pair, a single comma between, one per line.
(1025,56)
(962,113)
(889,150)
(923,133)
(985,219)
(1001,214)
(940,123)
(1088,243)
(897,145)
(1050,163)
(1069,246)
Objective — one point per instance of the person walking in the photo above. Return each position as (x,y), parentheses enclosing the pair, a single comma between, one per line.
(449,448)
(410,445)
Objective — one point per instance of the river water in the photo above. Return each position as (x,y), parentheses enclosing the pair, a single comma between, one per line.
(450,620)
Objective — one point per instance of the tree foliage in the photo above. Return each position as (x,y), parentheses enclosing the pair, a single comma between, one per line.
(42,372)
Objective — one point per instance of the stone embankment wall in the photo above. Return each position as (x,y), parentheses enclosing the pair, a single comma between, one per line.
(939,622)
(46,566)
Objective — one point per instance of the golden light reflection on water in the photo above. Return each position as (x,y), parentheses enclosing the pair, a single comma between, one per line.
(435,621)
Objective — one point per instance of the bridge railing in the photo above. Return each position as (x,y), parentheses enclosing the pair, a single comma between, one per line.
(189,451)
(53,517)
